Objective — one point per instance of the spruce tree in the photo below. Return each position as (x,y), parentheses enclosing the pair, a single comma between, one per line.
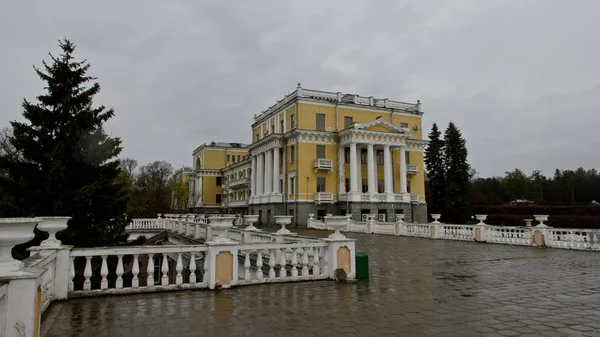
(434,163)
(457,167)
(68,164)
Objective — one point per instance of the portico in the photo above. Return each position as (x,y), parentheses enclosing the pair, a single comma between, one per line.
(267,185)
(353,143)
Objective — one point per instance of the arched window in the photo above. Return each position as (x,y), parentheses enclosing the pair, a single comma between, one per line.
(198,164)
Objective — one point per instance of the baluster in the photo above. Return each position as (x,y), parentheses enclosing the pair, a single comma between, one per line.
(119,284)
(272,264)
(325,262)
(192,268)
(316,268)
(294,263)
(205,267)
(179,269)
(247,266)
(165,270)
(150,271)
(305,263)
(135,270)
(104,273)
(282,263)
(72,275)
(259,264)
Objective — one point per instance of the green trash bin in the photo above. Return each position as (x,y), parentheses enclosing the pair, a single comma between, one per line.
(362,265)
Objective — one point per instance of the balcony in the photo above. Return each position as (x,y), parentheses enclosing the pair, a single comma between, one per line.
(236,203)
(412,169)
(321,197)
(414,198)
(323,164)
(240,183)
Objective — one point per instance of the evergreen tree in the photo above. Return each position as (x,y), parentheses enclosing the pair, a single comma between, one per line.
(68,164)
(434,163)
(457,167)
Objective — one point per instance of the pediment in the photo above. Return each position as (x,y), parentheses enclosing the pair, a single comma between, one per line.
(381,125)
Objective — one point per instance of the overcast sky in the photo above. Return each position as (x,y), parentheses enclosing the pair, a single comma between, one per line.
(520,78)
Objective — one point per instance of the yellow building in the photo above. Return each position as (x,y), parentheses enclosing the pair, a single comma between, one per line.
(180,189)
(322,153)
(332,153)
(206,180)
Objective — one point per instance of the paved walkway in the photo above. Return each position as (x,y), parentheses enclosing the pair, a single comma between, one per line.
(418,287)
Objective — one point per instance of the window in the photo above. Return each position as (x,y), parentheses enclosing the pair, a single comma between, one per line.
(219,181)
(218,198)
(280,185)
(320,214)
(407,155)
(238,157)
(293,185)
(273,128)
(320,151)
(292,153)
(320,122)
(347,155)
(379,157)
(404,125)
(257,137)
(365,185)
(281,126)
(227,158)
(363,156)
(408,186)
(320,184)
(380,186)
(347,185)
(348,122)
(280,157)
(292,122)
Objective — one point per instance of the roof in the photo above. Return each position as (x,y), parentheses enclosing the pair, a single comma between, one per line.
(227,145)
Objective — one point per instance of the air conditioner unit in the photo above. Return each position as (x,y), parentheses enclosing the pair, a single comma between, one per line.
(416,127)
(365,217)
(381,217)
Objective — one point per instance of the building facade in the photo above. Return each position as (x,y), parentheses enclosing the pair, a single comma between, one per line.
(180,189)
(322,153)
(206,179)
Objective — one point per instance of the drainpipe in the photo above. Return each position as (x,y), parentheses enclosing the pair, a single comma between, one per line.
(297,175)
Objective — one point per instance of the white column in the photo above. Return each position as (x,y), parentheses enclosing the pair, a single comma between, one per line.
(276,171)
(253,177)
(371,169)
(341,173)
(359,169)
(353,175)
(387,169)
(260,174)
(269,172)
(403,169)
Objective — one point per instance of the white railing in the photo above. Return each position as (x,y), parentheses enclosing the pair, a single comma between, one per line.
(414,198)
(574,238)
(509,235)
(47,262)
(398,197)
(330,96)
(343,197)
(323,197)
(236,183)
(420,230)
(316,224)
(155,223)
(365,197)
(323,164)
(237,203)
(458,232)
(268,263)
(412,169)
(357,226)
(149,266)
(388,228)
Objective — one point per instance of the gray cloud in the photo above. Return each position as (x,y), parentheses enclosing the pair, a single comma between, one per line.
(520,78)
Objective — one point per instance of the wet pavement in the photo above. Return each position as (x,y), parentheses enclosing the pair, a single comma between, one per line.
(418,287)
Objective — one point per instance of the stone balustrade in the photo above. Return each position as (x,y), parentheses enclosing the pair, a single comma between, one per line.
(224,257)
(540,235)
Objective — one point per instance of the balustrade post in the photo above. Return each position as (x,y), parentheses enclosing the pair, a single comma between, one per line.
(222,264)
(481,228)
(340,254)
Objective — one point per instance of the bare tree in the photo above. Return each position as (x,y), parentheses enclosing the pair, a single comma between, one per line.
(128,165)
(7,150)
